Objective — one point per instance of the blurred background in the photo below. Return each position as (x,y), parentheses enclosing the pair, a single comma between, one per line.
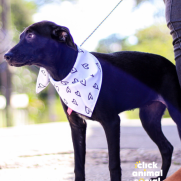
(135,25)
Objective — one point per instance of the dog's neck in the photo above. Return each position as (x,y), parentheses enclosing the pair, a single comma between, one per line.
(61,66)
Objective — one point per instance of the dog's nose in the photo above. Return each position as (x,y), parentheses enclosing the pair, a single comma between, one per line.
(8,56)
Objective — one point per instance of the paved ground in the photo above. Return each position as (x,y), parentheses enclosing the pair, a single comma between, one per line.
(44,152)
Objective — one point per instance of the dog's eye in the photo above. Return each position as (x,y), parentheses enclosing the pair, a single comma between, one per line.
(30,35)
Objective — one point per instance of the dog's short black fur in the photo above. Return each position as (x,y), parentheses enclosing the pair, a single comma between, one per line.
(130,80)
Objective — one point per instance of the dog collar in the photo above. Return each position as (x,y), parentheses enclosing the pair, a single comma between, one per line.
(79,90)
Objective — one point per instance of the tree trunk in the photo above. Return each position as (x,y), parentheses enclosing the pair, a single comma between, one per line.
(6,74)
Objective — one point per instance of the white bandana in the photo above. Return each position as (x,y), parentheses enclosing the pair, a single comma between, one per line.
(80,89)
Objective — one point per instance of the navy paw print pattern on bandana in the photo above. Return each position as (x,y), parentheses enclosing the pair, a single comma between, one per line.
(83,82)
(80,89)
(41,86)
(75,81)
(96,86)
(64,82)
(56,87)
(78,93)
(87,110)
(68,90)
(43,72)
(90,96)
(74,70)
(74,102)
(85,65)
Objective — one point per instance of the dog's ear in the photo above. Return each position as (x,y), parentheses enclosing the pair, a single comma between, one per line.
(62,34)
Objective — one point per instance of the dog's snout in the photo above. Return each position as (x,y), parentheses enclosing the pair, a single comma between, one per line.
(8,56)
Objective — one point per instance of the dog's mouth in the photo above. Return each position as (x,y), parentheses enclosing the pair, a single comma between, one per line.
(18,60)
(13,62)
(19,64)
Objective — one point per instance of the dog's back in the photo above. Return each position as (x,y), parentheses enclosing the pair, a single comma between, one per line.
(145,67)
(153,71)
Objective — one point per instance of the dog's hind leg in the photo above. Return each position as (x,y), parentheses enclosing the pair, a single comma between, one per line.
(150,116)
(112,130)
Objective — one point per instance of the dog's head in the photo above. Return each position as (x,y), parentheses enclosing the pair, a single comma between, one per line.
(40,42)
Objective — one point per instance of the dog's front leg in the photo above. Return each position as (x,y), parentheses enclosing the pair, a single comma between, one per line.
(112,129)
(78,128)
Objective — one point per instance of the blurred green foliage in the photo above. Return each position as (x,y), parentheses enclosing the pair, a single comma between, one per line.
(21,16)
(155,39)
(38,110)
(40,3)
(110,44)
(139,2)
(24,78)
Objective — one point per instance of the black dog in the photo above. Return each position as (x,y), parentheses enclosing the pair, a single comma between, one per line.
(130,80)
